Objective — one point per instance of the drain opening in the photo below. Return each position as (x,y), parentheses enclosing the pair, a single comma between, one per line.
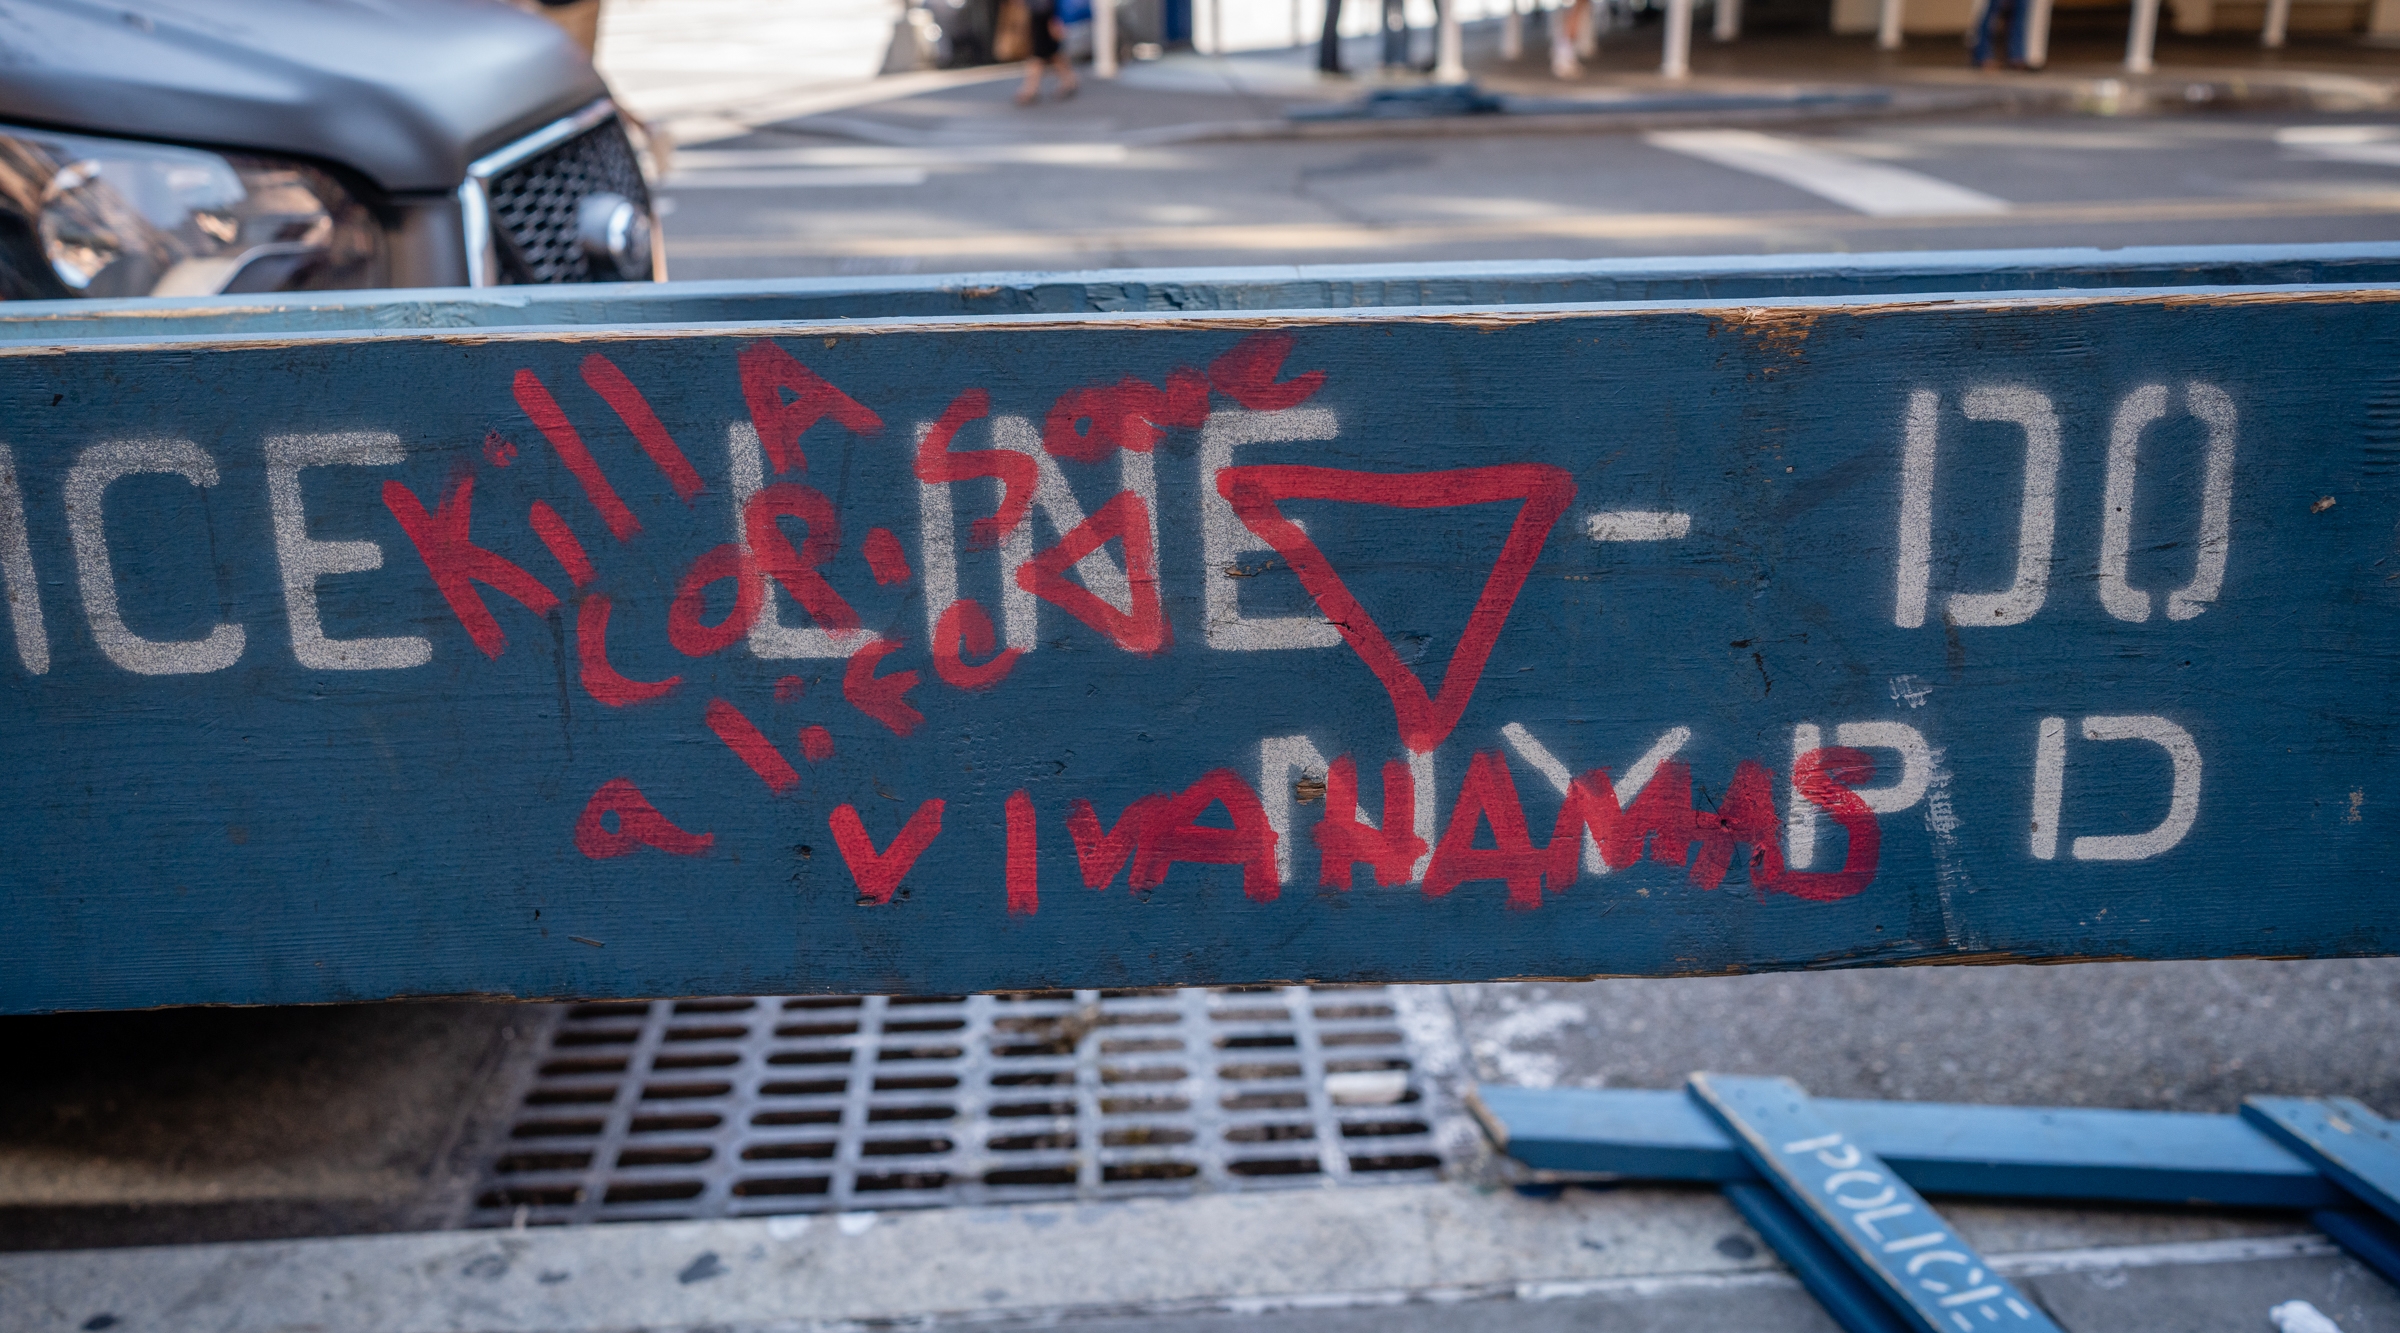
(736,1106)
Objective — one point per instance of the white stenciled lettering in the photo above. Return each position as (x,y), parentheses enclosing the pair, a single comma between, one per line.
(2183,804)
(1056,502)
(2049,788)
(2049,785)
(1637,525)
(2037,521)
(305,559)
(1905,790)
(2140,408)
(87,487)
(772,638)
(1534,753)
(16,567)
(1224,541)
(1278,758)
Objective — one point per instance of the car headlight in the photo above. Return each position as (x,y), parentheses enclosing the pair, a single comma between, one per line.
(83,216)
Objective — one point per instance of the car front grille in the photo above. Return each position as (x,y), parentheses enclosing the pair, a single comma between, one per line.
(533,204)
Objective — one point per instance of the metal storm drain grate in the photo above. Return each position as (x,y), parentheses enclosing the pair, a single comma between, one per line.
(726,1107)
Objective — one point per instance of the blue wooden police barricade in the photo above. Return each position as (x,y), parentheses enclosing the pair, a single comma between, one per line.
(651,642)
(1833,1185)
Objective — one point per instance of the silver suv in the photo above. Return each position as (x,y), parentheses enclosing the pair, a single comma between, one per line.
(157,148)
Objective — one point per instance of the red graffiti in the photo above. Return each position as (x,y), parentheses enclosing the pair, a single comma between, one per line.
(1124,415)
(1825,777)
(694,637)
(769,372)
(639,824)
(539,405)
(565,547)
(1256,494)
(965,626)
(498,449)
(1173,832)
(458,564)
(1488,796)
(1660,818)
(816,744)
(634,410)
(1024,865)
(937,463)
(751,746)
(1590,805)
(599,678)
(1142,630)
(1247,374)
(1744,817)
(883,698)
(885,560)
(1101,853)
(796,570)
(789,689)
(879,873)
(1345,841)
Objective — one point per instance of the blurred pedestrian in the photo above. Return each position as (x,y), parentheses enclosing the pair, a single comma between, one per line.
(1568,25)
(1046,31)
(1984,57)
(1329,43)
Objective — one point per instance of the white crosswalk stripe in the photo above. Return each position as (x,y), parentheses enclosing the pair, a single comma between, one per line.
(1873,188)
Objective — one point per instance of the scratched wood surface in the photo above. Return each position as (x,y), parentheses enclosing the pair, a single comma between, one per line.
(1120,650)
(1251,288)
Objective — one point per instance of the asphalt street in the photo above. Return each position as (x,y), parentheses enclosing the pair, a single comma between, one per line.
(964,181)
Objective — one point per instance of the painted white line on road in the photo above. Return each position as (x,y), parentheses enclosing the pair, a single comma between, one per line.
(795,178)
(1290,238)
(2373,145)
(879,155)
(1869,187)
(2101,1258)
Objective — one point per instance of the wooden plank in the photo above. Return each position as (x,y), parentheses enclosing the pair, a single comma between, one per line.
(1849,1299)
(2341,1138)
(1938,1148)
(2367,1237)
(1872,1218)
(1250,288)
(348,666)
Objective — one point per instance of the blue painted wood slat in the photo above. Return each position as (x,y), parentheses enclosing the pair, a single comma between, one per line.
(1045,650)
(1851,1300)
(1883,1228)
(2340,1137)
(1939,1148)
(1247,288)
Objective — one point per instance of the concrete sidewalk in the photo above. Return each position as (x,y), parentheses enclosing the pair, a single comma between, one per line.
(1768,78)
(1395,1259)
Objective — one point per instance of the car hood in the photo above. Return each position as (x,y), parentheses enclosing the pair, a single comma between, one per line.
(405,92)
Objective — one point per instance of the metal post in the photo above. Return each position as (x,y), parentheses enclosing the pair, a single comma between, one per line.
(1104,39)
(2037,32)
(1729,20)
(1676,61)
(1216,27)
(2141,39)
(2279,19)
(1512,31)
(1887,27)
(1449,59)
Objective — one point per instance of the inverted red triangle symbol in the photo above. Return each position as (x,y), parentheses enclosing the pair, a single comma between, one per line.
(1256,494)
(1142,628)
